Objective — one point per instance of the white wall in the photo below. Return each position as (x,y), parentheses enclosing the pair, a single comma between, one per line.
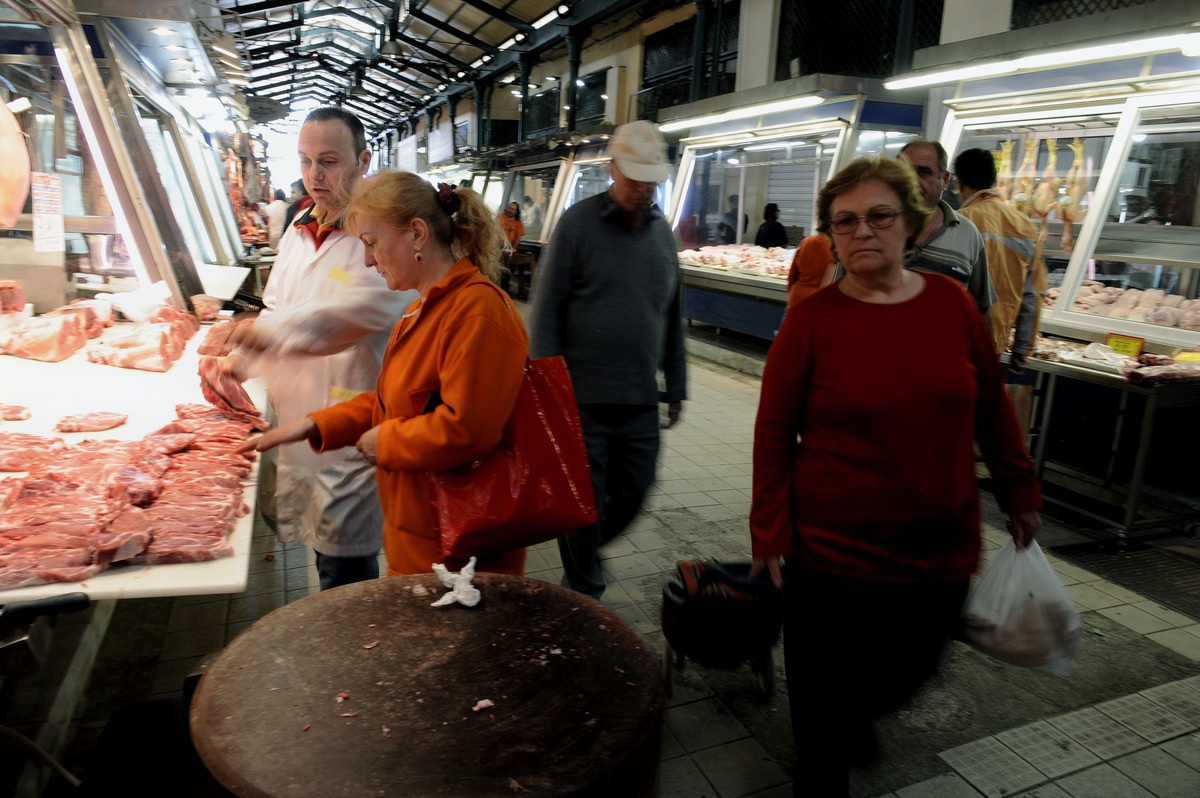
(758,43)
(970,19)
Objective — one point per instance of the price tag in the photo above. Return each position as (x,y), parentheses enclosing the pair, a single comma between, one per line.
(1125,345)
(1191,357)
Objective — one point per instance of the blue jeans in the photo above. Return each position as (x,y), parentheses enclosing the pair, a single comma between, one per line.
(337,571)
(622,448)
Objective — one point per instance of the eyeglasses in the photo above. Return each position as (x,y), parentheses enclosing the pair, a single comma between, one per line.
(878,219)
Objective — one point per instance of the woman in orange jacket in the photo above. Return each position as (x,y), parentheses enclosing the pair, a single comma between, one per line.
(453,367)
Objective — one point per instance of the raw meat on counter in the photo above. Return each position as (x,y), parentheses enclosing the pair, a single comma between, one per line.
(48,338)
(90,422)
(92,326)
(227,394)
(217,340)
(83,508)
(1152,305)
(773,262)
(153,345)
(18,451)
(12,298)
(13,413)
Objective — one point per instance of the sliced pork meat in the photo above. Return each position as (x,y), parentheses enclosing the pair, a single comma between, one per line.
(18,451)
(178,547)
(102,308)
(12,297)
(48,338)
(127,536)
(13,413)
(90,422)
(92,326)
(227,394)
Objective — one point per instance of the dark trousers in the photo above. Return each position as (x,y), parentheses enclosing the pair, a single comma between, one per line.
(622,448)
(855,649)
(337,571)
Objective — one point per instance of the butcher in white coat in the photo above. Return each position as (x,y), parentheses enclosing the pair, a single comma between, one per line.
(319,341)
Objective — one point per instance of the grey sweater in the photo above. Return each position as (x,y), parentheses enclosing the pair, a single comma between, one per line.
(607,298)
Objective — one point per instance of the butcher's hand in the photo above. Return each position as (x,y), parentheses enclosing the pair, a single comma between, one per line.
(251,336)
(235,366)
(366,444)
(674,412)
(1024,527)
(771,565)
(303,430)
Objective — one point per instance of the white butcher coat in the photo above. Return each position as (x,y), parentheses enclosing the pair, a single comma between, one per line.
(330,317)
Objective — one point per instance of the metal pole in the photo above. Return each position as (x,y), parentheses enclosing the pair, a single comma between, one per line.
(904,37)
(713,88)
(523,113)
(699,35)
(574,57)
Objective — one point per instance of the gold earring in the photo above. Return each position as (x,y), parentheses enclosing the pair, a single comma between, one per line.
(417,255)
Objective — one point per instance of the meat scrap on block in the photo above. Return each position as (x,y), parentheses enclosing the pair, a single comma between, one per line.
(171,497)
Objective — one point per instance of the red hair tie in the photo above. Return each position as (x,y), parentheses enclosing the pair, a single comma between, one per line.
(448,199)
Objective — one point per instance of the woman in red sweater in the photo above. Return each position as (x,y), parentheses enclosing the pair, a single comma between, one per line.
(864,470)
(452,369)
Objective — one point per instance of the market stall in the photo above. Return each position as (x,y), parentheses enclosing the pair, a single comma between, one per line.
(775,145)
(1099,144)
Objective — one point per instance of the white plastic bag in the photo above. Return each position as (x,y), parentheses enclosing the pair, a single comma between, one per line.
(1019,613)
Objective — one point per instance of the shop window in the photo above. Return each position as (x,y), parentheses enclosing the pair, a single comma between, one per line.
(542,116)
(591,100)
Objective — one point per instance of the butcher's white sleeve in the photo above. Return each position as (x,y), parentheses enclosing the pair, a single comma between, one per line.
(348,307)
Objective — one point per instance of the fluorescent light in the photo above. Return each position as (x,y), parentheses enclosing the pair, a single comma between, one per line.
(516,92)
(743,113)
(232,53)
(508,43)
(779,145)
(551,77)
(162,31)
(1138,137)
(20,104)
(175,48)
(421,150)
(833,140)
(1189,43)
(603,96)
(733,161)
(1053,114)
(546,20)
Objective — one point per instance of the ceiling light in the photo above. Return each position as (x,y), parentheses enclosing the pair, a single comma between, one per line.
(518,36)
(579,82)
(181,60)
(566,108)
(485,57)
(551,77)
(162,31)
(507,43)
(226,46)
(461,74)
(733,161)
(516,92)
(391,47)
(1189,43)
(174,47)
(545,20)
(441,87)
(603,96)
(532,85)
(744,113)
(563,9)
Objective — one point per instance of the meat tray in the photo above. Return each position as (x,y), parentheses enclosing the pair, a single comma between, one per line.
(54,390)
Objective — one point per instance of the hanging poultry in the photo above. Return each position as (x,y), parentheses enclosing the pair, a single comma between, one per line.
(1023,186)
(1045,196)
(1004,180)
(1070,207)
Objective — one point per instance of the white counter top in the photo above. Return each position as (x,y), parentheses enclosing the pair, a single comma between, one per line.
(54,390)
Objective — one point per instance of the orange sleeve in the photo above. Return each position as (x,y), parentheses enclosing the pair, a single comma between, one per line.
(809,266)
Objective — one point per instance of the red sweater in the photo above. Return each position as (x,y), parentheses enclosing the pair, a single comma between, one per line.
(887,400)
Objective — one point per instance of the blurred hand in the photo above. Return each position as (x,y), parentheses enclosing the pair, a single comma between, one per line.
(234,366)
(302,430)
(1024,527)
(1016,365)
(771,565)
(366,444)
(250,336)
(674,412)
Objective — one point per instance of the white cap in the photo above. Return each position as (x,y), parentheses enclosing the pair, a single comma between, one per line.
(640,152)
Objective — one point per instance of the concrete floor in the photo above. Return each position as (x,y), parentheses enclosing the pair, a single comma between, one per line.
(1125,723)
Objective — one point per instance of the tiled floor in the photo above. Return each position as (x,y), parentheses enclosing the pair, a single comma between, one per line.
(1145,743)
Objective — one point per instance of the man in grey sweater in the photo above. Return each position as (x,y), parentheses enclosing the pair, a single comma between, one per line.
(607,298)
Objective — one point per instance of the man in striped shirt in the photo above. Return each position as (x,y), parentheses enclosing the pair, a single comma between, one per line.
(950,244)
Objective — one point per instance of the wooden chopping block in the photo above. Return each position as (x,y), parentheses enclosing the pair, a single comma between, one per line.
(576,698)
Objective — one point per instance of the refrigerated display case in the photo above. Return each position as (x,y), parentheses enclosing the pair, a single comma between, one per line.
(730,169)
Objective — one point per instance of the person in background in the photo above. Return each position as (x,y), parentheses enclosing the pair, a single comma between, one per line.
(607,298)
(770,232)
(452,371)
(1014,258)
(510,224)
(812,268)
(949,244)
(300,201)
(276,219)
(319,340)
(864,471)
(533,216)
(727,229)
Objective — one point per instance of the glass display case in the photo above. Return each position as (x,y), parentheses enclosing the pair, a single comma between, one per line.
(1112,184)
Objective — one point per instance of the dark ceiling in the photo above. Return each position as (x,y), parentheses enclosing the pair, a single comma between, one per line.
(387,61)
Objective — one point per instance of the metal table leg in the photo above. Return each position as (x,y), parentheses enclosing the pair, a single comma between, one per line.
(1139,463)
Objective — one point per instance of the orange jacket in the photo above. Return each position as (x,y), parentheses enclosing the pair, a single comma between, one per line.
(466,342)
(811,265)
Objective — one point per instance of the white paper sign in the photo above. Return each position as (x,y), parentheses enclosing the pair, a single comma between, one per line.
(47,213)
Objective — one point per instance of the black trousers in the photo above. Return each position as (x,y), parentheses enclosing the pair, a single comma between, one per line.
(855,649)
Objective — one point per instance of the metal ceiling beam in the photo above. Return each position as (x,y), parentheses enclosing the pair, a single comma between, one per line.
(500,14)
(402,78)
(343,12)
(274,27)
(265,5)
(391,91)
(466,38)
(364,108)
(417,44)
(269,50)
(331,46)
